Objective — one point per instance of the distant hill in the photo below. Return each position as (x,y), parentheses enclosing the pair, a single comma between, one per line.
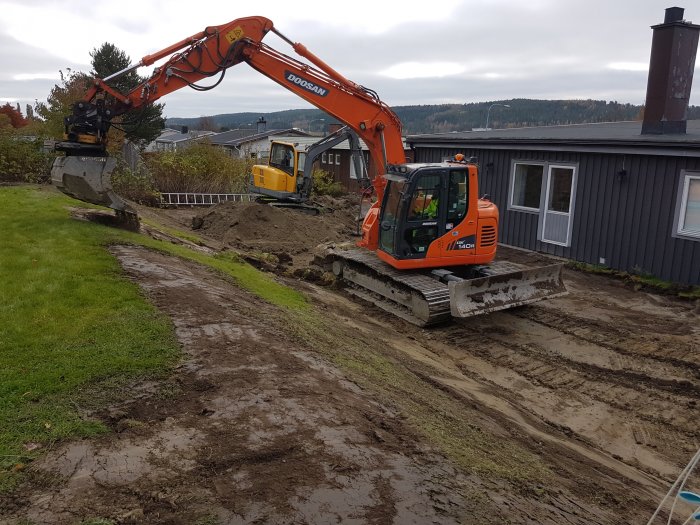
(443,118)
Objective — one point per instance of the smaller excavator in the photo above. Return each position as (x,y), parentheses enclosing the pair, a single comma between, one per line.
(428,241)
(287,179)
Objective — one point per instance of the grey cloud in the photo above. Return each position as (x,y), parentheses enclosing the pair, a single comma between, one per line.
(19,58)
(545,49)
(23,59)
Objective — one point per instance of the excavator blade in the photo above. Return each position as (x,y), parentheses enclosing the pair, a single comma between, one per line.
(505,290)
(88,179)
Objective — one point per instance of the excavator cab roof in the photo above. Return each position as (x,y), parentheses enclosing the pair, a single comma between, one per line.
(406,170)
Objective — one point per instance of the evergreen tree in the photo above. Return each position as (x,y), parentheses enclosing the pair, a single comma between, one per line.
(141,125)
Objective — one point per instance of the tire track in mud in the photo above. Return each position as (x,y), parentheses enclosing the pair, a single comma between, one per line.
(579,409)
(550,364)
(619,388)
(628,371)
(624,340)
(626,405)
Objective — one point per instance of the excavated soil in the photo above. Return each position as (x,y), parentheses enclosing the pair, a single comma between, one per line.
(290,236)
(600,387)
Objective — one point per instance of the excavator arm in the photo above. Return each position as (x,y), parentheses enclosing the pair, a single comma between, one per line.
(205,54)
(357,107)
(209,53)
(356,158)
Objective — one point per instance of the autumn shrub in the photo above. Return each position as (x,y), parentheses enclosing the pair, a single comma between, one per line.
(22,159)
(324,184)
(200,168)
(136,185)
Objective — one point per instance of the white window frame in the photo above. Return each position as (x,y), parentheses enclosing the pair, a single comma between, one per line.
(324,158)
(511,186)
(544,204)
(337,159)
(682,206)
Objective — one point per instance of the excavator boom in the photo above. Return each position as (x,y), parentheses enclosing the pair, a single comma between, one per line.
(210,53)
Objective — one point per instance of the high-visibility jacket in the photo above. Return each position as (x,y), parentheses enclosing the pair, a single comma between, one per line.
(431,210)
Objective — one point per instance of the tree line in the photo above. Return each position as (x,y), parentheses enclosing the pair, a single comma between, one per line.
(444,118)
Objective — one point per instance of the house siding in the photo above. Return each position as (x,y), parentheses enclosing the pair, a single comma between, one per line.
(627,221)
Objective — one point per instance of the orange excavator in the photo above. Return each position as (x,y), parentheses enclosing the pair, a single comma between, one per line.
(428,242)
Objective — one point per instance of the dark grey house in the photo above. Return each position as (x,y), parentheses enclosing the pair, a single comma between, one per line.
(625,195)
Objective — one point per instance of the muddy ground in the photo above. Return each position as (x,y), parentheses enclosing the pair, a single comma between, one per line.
(582,409)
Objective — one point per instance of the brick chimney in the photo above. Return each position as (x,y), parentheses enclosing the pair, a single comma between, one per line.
(673,48)
(261,125)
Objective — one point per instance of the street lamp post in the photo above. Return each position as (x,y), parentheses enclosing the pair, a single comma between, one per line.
(488,113)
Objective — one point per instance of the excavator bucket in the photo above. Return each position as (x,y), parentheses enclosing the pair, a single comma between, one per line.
(505,290)
(88,179)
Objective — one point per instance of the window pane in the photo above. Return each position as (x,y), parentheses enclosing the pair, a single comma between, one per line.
(527,185)
(457,197)
(560,189)
(390,212)
(281,155)
(691,217)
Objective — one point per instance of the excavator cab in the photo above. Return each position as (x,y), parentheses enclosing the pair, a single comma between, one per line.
(430,213)
(282,156)
(283,177)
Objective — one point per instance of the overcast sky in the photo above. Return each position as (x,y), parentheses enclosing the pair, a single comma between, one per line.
(410,52)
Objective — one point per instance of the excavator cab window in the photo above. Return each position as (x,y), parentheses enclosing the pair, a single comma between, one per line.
(282,157)
(391,213)
(457,198)
(418,210)
(422,225)
(301,162)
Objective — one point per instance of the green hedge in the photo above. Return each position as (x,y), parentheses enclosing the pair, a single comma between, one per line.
(22,159)
(201,168)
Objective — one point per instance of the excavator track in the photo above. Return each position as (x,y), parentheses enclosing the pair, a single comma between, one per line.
(416,297)
(431,297)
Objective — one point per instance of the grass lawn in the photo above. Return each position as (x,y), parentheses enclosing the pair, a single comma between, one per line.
(72,325)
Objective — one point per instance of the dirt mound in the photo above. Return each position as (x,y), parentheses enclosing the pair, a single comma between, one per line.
(285,233)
